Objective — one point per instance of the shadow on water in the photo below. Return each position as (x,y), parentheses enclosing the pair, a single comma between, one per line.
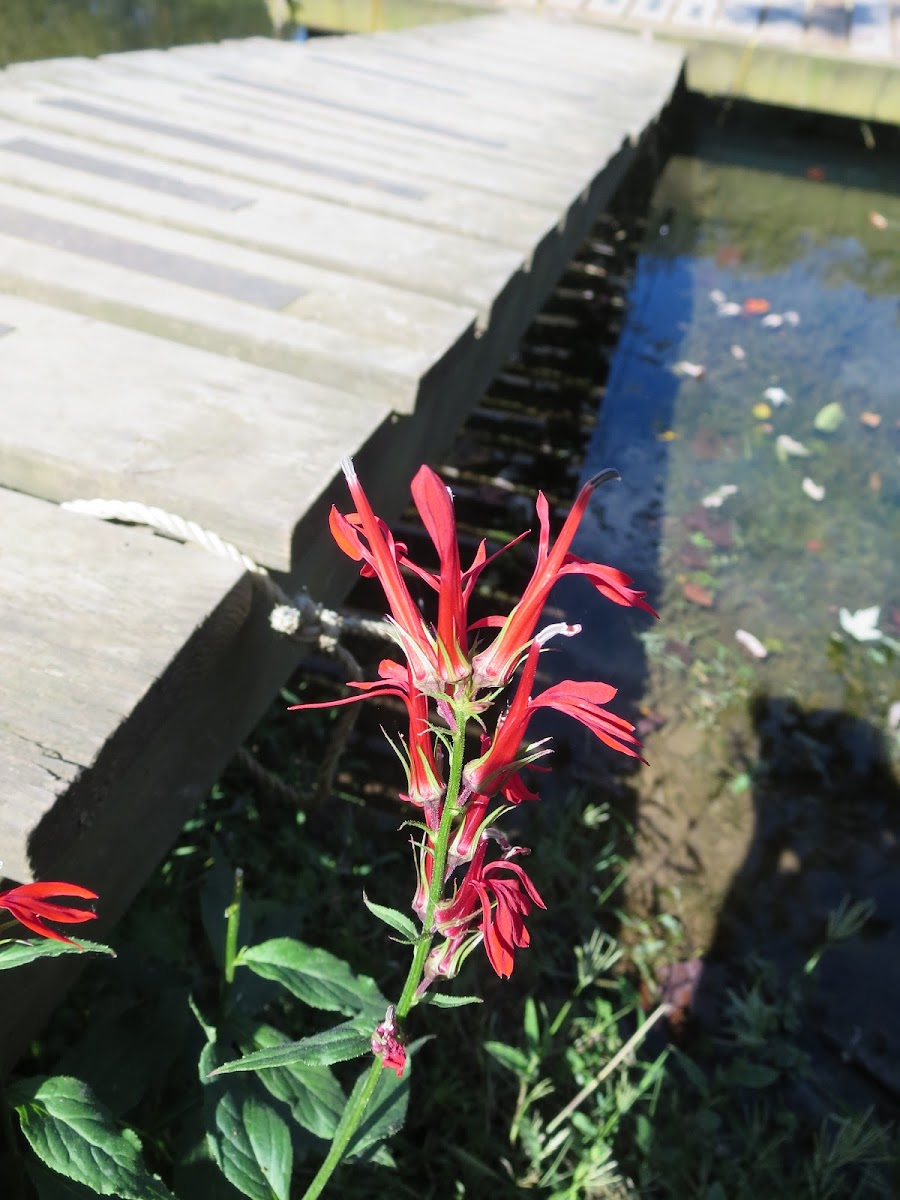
(792,1010)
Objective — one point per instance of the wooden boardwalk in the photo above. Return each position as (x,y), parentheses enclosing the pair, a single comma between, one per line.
(832,56)
(221,269)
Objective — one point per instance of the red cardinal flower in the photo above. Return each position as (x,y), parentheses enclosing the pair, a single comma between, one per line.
(423,776)
(366,538)
(453,585)
(502,895)
(494,666)
(581,700)
(31,905)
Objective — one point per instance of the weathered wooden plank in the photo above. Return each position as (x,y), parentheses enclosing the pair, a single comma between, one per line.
(368,140)
(174,284)
(118,414)
(318,168)
(404,107)
(49,162)
(361,244)
(94,618)
(327,235)
(556,51)
(502,59)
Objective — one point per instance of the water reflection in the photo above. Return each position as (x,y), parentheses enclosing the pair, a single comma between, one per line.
(752,409)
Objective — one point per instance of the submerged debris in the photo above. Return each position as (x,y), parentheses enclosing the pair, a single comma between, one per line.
(715,499)
(777,396)
(829,417)
(750,643)
(692,370)
(814,490)
(862,625)
(697,594)
(788,447)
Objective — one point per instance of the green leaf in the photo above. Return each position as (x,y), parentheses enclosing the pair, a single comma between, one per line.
(252,1146)
(19,953)
(694,1073)
(50,1186)
(340,1044)
(508,1056)
(315,1097)
(750,1074)
(70,1131)
(740,784)
(314,976)
(397,920)
(441,1000)
(385,1113)
(531,1024)
(827,419)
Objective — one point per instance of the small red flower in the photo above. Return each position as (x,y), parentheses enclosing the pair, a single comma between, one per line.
(423,776)
(31,905)
(497,767)
(366,538)
(502,895)
(493,667)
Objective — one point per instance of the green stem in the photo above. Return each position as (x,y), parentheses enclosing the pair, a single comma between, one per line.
(345,1132)
(350,1123)
(436,891)
(232,925)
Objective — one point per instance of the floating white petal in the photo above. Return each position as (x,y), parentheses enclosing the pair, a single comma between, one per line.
(814,490)
(715,499)
(776,396)
(751,644)
(694,370)
(790,447)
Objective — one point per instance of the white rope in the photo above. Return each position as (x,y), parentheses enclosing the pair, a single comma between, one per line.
(136,513)
(301,619)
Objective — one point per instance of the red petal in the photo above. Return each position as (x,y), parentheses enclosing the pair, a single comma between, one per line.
(47,888)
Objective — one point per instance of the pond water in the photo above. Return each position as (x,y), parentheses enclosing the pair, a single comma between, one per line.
(35,29)
(753,410)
